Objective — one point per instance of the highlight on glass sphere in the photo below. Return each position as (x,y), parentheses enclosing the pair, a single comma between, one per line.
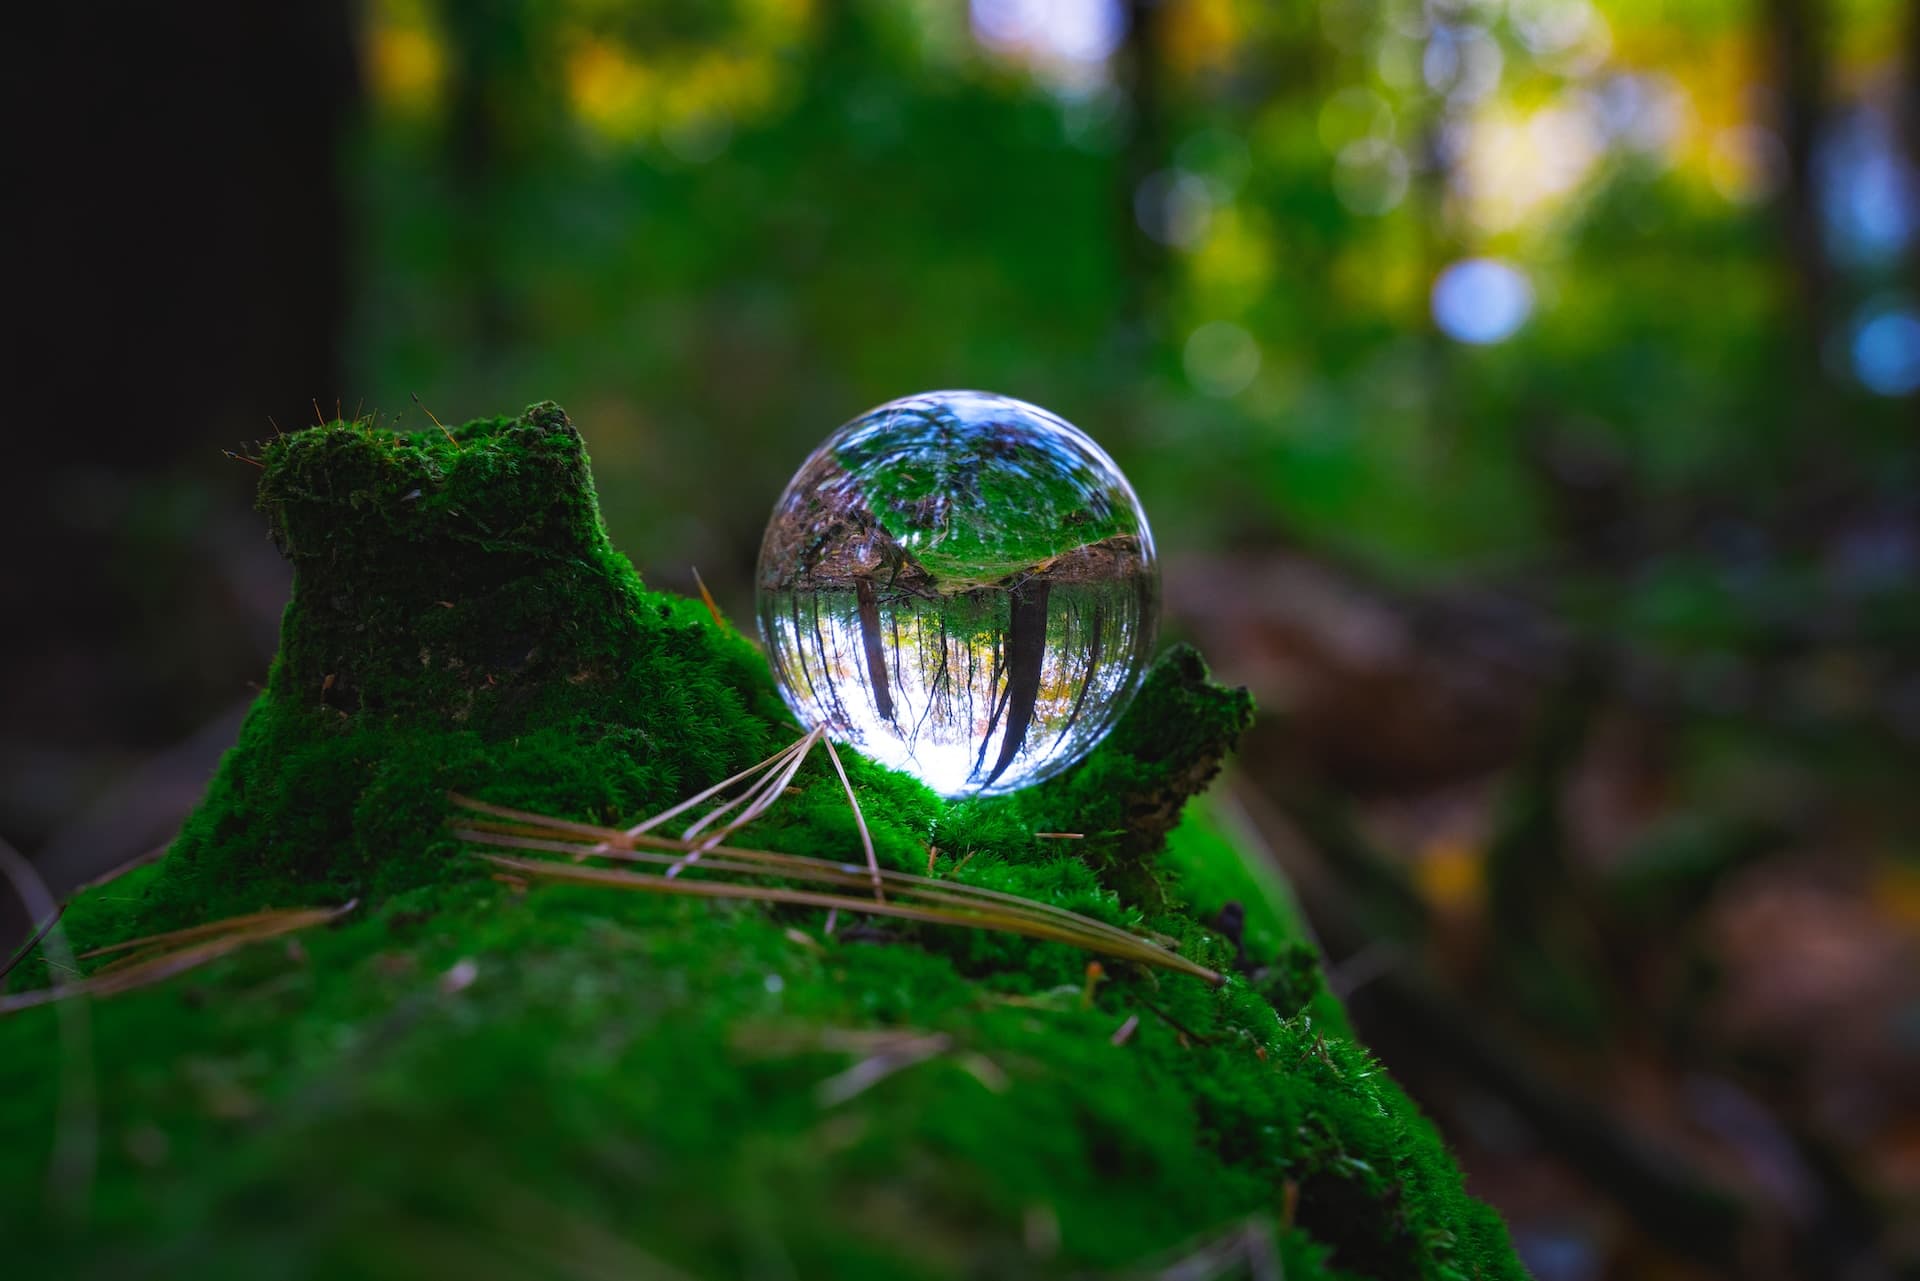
(961,585)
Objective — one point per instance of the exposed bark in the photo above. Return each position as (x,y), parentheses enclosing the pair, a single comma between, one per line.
(1026,650)
(874,648)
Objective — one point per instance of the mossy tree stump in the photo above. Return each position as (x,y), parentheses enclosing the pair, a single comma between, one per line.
(466,1078)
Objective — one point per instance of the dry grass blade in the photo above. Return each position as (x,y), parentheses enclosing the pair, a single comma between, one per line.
(777,1039)
(162,956)
(529,831)
(1080,933)
(225,925)
(76,1133)
(713,606)
(860,819)
(692,801)
(1249,1249)
(757,863)
(771,780)
(948,902)
(25,949)
(875,1068)
(763,794)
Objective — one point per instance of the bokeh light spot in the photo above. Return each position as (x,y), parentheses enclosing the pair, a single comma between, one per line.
(1886,351)
(1352,114)
(1370,176)
(1869,193)
(1463,63)
(1221,358)
(1174,208)
(1074,31)
(1481,300)
(406,64)
(1550,26)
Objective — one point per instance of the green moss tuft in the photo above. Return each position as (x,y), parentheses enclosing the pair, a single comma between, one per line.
(1128,795)
(459,620)
(623,1082)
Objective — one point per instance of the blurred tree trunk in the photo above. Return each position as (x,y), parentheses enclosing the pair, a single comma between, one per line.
(1140,70)
(491,71)
(1796,48)
(1909,124)
(179,285)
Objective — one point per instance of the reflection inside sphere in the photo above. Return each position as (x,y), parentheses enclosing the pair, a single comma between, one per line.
(961,585)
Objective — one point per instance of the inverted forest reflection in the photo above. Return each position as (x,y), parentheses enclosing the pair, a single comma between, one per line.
(985,690)
(963,586)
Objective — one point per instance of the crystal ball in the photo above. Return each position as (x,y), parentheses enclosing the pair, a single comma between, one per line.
(962,586)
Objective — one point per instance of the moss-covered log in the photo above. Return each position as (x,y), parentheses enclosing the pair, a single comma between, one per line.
(464,1077)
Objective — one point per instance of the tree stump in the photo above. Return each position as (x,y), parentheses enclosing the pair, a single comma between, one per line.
(465,1076)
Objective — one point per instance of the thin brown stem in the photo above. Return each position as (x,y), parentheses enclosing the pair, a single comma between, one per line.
(860,821)
(764,862)
(1142,952)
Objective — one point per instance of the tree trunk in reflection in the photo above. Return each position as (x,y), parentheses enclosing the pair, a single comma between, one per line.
(996,703)
(1026,648)
(974,689)
(874,648)
(1093,665)
(800,650)
(834,707)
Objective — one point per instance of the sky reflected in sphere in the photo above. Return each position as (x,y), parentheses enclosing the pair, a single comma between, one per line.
(961,585)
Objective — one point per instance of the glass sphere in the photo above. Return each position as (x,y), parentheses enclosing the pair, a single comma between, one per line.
(961,585)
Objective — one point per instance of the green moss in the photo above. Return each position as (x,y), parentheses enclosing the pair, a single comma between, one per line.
(629,1079)
(1127,796)
(458,620)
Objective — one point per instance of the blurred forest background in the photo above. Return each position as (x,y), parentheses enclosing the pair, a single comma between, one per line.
(1526,394)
